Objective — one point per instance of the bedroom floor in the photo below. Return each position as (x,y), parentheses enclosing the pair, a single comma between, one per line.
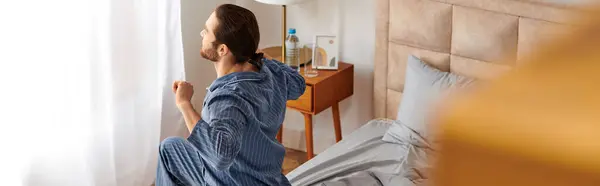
(293,158)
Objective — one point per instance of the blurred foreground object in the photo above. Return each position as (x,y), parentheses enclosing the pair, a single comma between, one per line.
(539,125)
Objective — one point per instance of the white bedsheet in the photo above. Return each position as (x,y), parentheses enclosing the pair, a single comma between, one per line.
(364,159)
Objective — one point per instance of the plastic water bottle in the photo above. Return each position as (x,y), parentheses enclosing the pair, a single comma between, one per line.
(292,53)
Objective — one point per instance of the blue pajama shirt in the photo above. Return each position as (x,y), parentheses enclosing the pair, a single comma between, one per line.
(234,142)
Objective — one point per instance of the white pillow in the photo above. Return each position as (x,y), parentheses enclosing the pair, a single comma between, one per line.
(423,87)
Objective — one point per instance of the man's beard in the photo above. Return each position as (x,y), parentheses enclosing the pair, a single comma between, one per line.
(210,54)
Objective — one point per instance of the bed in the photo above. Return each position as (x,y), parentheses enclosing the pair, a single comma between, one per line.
(477,40)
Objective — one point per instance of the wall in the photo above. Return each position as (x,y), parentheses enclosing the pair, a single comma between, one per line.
(352,20)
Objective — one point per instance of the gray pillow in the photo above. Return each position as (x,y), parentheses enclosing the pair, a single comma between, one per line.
(423,88)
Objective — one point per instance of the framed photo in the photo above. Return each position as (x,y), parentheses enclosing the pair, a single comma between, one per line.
(325,52)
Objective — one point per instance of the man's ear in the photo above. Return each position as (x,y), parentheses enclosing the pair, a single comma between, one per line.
(223,50)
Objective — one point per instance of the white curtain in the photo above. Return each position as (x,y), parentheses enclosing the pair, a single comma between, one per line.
(86,87)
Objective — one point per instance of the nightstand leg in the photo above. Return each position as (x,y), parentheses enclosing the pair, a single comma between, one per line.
(308,130)
(280,134)
(336,122)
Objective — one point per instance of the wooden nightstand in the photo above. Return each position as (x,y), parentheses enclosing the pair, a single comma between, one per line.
(324,91)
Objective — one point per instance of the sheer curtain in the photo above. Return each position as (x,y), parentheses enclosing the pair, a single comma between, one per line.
(86,88)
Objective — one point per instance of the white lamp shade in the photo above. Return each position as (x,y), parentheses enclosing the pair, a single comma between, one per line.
(281,2)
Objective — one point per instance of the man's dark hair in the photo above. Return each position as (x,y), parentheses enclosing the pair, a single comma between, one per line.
(238,29)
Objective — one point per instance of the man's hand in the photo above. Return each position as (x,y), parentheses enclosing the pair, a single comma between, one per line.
(183,93)
(183,98)
(265,55)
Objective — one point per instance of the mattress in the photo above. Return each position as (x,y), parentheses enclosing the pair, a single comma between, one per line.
(361,158)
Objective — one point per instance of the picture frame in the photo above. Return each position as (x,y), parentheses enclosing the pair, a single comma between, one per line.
(325,52)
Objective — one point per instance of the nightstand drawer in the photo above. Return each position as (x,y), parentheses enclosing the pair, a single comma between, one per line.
(305,102)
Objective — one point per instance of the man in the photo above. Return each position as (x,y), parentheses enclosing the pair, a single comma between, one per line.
(233,141)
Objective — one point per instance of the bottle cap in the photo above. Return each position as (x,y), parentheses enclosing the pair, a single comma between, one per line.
(292,31)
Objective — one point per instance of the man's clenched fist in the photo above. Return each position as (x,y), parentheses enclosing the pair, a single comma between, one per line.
(183,92)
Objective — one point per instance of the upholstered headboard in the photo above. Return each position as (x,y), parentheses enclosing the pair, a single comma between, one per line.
(474,38)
